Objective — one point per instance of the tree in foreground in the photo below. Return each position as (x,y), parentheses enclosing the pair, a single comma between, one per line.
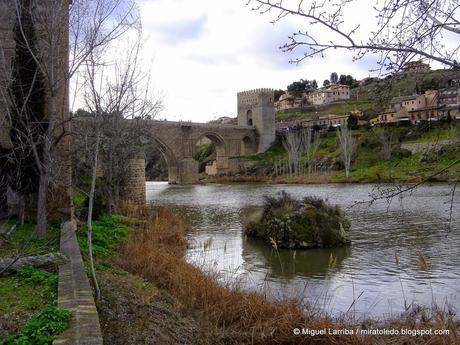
(403,30)
(118,99)
(92,24)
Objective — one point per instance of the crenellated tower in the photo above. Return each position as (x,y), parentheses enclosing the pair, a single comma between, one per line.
(256,108)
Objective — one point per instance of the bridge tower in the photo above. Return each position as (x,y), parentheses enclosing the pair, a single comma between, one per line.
(256,108)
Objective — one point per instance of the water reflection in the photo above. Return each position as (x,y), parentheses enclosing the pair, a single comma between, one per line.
(287,264)
(382,265)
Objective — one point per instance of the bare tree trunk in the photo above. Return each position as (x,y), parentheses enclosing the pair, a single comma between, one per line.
(348,146)
(90,218)
(292,143)
(40,230)
(45,167)
(306,140)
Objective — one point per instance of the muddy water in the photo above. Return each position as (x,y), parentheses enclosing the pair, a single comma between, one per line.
(381,270)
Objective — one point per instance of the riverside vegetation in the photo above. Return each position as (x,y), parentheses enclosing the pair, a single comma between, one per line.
(147,283)
(379,157)
(286,222)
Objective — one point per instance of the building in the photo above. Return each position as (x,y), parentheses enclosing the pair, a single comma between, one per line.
(415,67)
(324,95)
(326,121)
(328,94)
(290,102)
(433,105)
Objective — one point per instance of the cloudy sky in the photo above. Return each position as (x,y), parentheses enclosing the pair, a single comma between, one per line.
(202,52)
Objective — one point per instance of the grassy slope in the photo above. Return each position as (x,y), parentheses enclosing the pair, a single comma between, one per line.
(19,301)
(404,84)
(23,241)
(31,292)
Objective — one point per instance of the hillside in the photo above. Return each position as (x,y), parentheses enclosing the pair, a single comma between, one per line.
(374,94)
(404,84)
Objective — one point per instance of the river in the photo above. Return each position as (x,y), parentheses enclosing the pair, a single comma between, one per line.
(400,254)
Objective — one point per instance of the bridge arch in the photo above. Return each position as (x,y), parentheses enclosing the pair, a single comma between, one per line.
(248,145)
(171,160)
(221,147)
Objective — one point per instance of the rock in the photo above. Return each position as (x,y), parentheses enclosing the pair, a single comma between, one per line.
(11,265)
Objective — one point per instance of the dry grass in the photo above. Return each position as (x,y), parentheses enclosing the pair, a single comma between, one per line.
(155,251)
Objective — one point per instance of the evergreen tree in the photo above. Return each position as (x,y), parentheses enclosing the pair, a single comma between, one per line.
(334,78)
(28,121)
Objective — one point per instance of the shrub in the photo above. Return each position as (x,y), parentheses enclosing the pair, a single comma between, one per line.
(42,328)
(37,276)
(108,231)
(307,223)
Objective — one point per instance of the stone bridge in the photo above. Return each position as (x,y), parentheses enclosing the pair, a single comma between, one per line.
(178,141)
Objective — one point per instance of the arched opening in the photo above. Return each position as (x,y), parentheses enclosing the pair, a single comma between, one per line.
(160,163)
(248,146)
(249,121)
(210,152)
(205,153)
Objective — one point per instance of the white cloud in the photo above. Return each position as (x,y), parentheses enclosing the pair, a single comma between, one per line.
(205,51)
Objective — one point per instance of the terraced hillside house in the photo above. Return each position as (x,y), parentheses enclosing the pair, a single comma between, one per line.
(415,67)
(326,121)
(433,105)
(329,94)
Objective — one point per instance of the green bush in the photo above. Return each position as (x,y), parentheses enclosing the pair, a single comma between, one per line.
(37,276)
(42,328)
(107,232)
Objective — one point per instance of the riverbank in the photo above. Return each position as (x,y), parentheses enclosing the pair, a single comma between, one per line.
(317,179)
(223,313)
(388,154)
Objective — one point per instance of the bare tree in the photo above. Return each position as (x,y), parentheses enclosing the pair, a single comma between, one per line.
(386,140)
(94,24)
(403,30)
(306,141)
(316,143)
(118,98)
(292,142)
(347,145)
(311,141)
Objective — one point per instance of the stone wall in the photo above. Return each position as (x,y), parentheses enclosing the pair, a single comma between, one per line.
(75,294)
(134,185)
(426,146)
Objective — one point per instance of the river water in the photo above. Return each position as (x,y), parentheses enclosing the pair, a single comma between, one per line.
(400,254)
